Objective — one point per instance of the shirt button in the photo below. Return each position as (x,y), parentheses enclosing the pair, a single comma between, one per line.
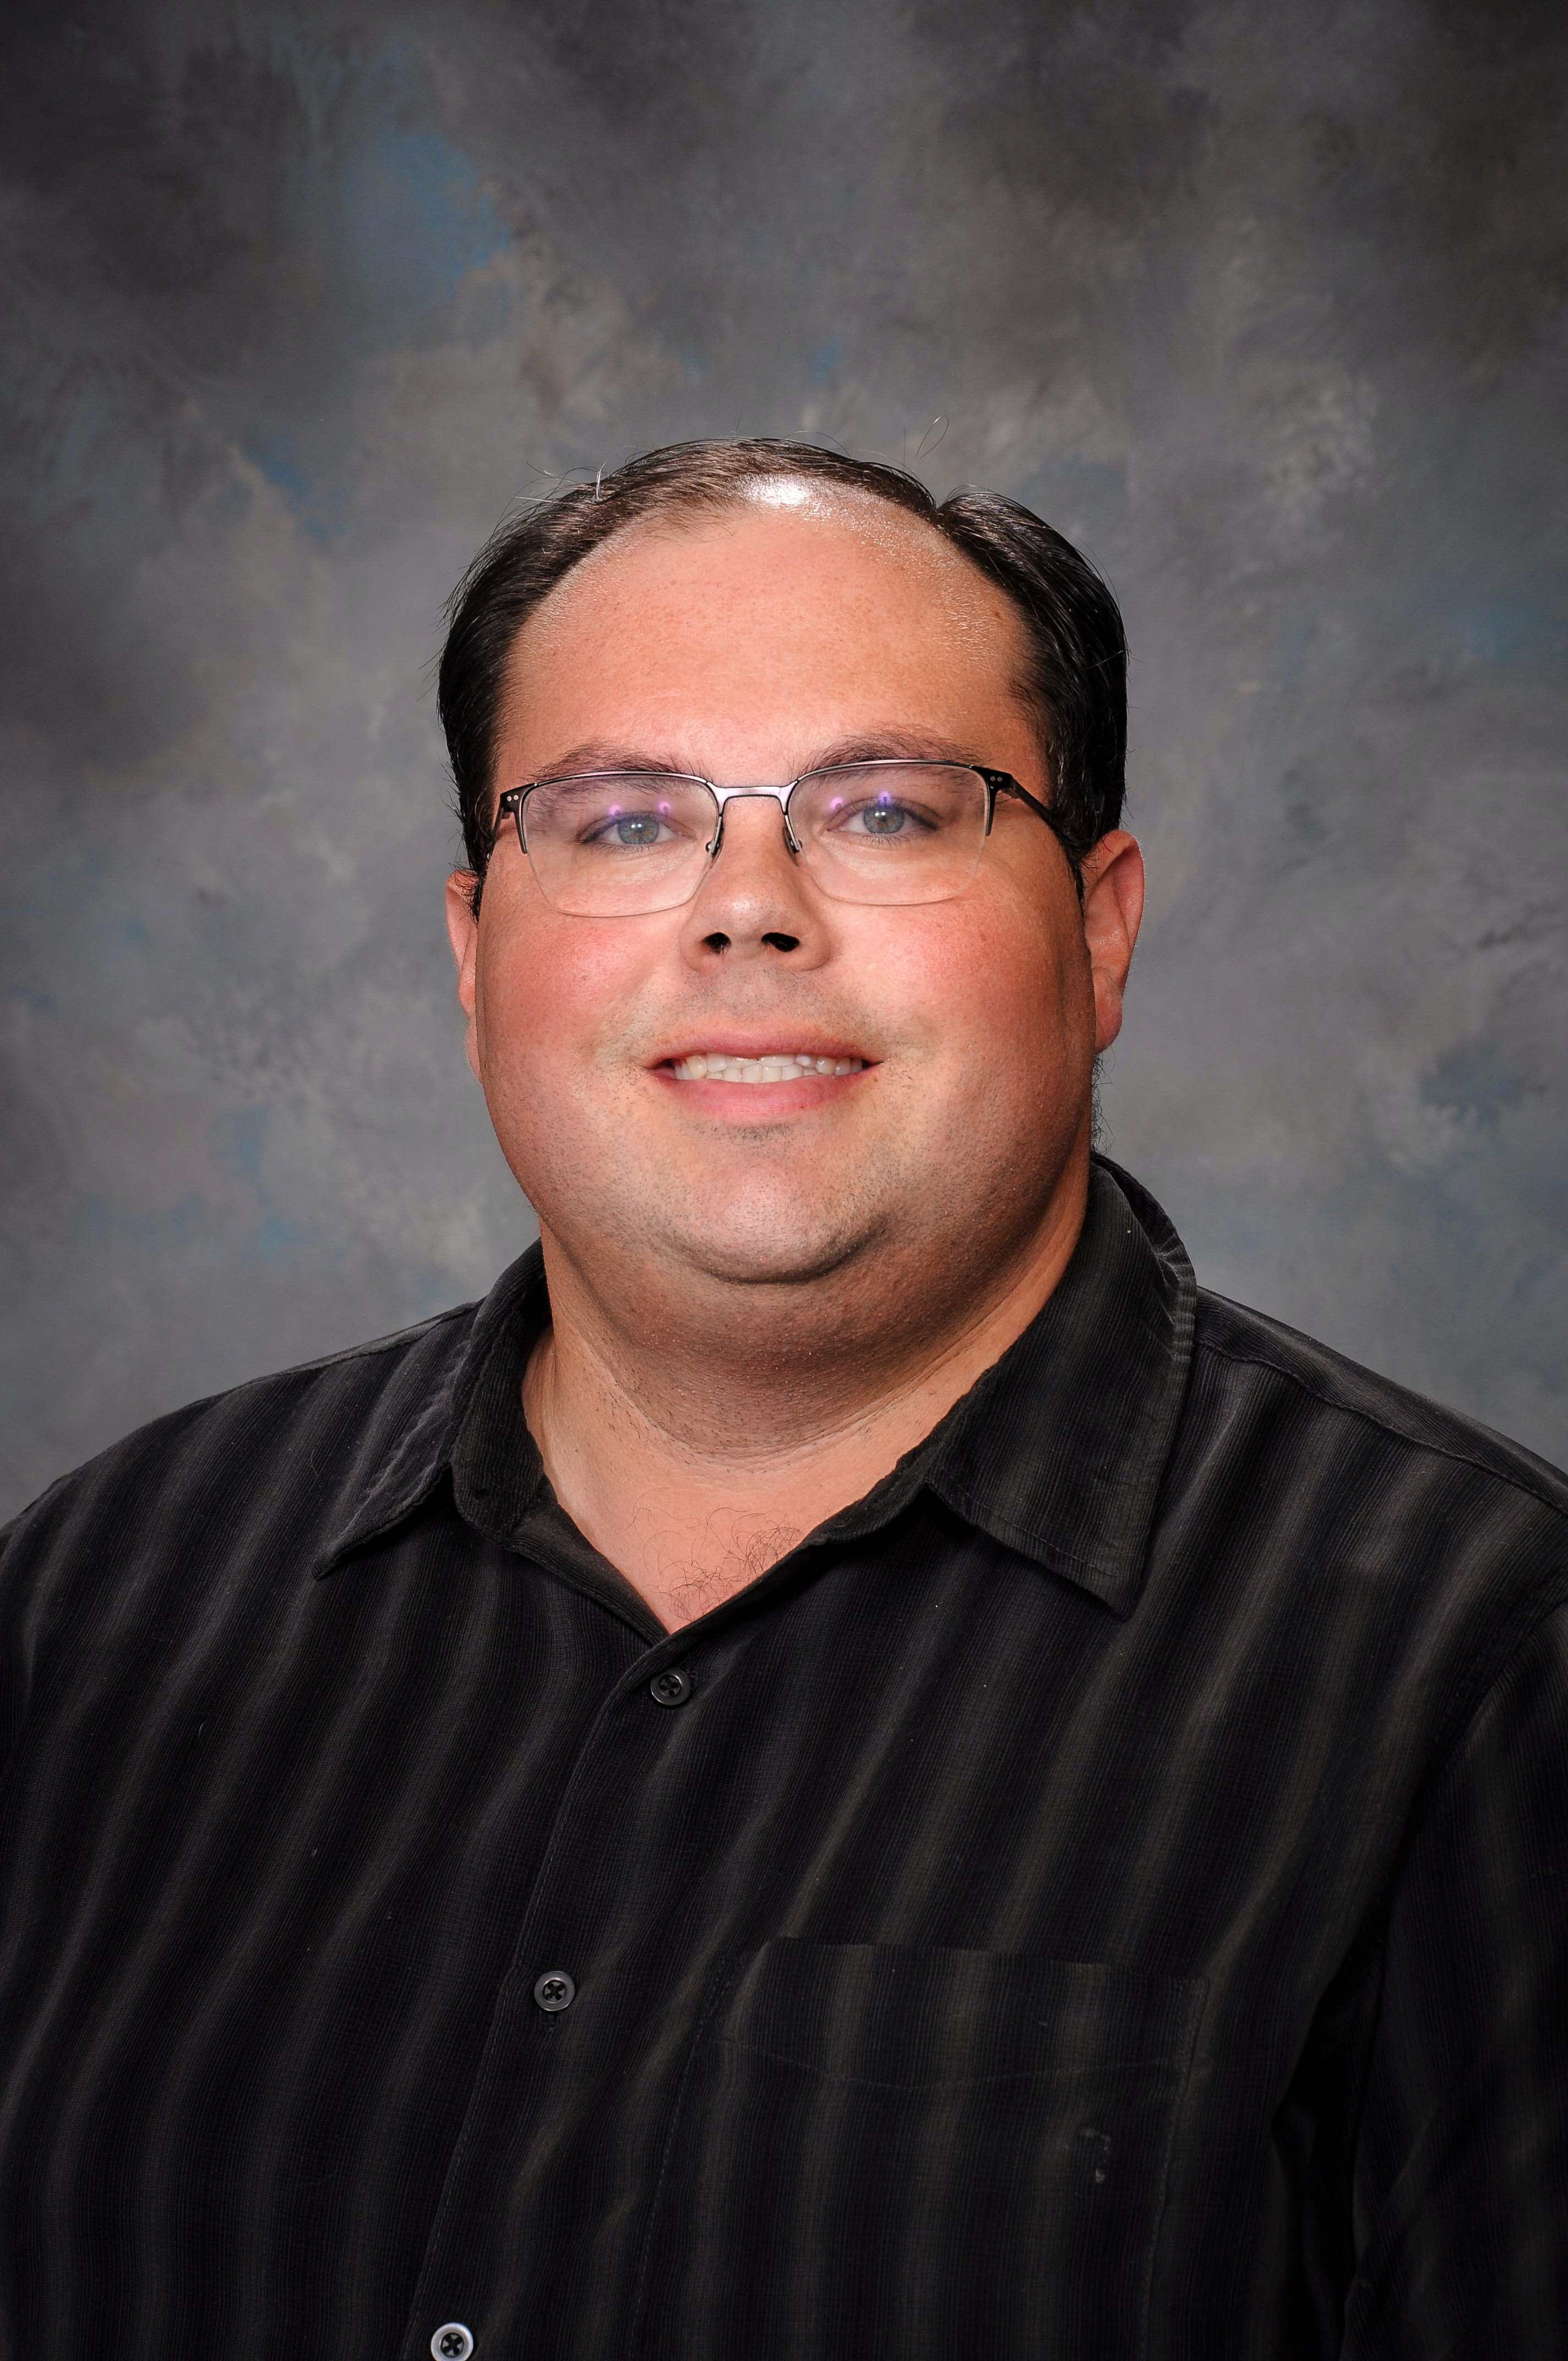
(672,1686)
(554,1991)
(451,2342)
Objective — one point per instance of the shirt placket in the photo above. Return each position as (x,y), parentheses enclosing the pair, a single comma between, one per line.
(558,2154)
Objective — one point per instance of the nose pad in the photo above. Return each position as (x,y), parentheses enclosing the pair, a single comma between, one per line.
(792,841)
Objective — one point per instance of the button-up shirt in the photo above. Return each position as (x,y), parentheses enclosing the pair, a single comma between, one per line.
(1105,1892)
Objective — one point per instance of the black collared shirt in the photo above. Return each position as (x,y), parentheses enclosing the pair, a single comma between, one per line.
(1104,1893)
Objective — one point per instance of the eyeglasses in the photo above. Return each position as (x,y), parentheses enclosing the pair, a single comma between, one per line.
(620,844)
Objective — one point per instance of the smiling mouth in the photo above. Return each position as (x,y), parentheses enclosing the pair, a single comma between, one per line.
(786,1066)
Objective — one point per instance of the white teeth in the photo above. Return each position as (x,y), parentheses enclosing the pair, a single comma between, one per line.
(781,1066)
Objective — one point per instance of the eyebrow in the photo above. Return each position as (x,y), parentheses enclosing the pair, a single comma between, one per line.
(891,742)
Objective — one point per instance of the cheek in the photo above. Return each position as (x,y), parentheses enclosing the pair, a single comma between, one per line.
(545,991)
(991,982)
(1018,1013)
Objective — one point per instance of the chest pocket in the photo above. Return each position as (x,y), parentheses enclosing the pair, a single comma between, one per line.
(890,2151)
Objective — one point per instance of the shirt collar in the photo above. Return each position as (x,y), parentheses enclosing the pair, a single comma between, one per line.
(1060,1449)
(500,1336)
(1057,1452)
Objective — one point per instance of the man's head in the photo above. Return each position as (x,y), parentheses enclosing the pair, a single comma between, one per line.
(744,614)
(1074,675)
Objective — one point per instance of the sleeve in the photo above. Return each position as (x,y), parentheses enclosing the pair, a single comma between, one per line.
(1460,2185)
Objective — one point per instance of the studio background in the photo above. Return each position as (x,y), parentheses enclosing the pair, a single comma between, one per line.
(1264,305)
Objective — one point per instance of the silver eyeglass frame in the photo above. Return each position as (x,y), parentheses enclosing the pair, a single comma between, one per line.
(510,802)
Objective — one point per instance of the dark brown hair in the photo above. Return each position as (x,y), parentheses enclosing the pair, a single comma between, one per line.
(1078,678)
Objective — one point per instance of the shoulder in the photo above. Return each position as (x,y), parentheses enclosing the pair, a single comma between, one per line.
(1374,1564)
(1415,1536)
(1335,1399)
(266,1465)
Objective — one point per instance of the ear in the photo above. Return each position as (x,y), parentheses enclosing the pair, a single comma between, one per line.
(1112,906)
(462,933)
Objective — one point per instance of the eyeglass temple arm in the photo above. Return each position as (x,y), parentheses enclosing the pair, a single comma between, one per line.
(1002,783)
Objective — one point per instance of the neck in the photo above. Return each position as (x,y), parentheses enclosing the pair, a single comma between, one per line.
(696,1431)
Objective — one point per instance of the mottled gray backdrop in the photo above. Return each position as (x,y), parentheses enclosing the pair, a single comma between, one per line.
(1263,304)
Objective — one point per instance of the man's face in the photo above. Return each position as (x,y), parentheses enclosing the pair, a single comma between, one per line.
(749,648)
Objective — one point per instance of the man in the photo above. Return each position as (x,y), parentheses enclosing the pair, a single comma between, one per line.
(848,1766)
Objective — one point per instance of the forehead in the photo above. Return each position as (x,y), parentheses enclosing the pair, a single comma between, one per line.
(789,598)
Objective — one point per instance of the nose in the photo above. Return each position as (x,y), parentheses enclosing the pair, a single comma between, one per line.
(756,900)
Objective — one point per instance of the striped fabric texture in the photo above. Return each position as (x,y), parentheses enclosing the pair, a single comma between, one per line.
(1106,1894)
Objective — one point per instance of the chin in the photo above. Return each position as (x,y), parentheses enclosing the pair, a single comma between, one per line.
(774,1254)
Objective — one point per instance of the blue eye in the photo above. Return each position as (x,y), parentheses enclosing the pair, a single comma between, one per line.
(882,818)
(638,828)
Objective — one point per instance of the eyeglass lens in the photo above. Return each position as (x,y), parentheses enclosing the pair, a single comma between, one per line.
(622,843)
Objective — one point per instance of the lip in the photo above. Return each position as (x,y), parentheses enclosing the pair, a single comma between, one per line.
(752,1104)
(775,1044)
